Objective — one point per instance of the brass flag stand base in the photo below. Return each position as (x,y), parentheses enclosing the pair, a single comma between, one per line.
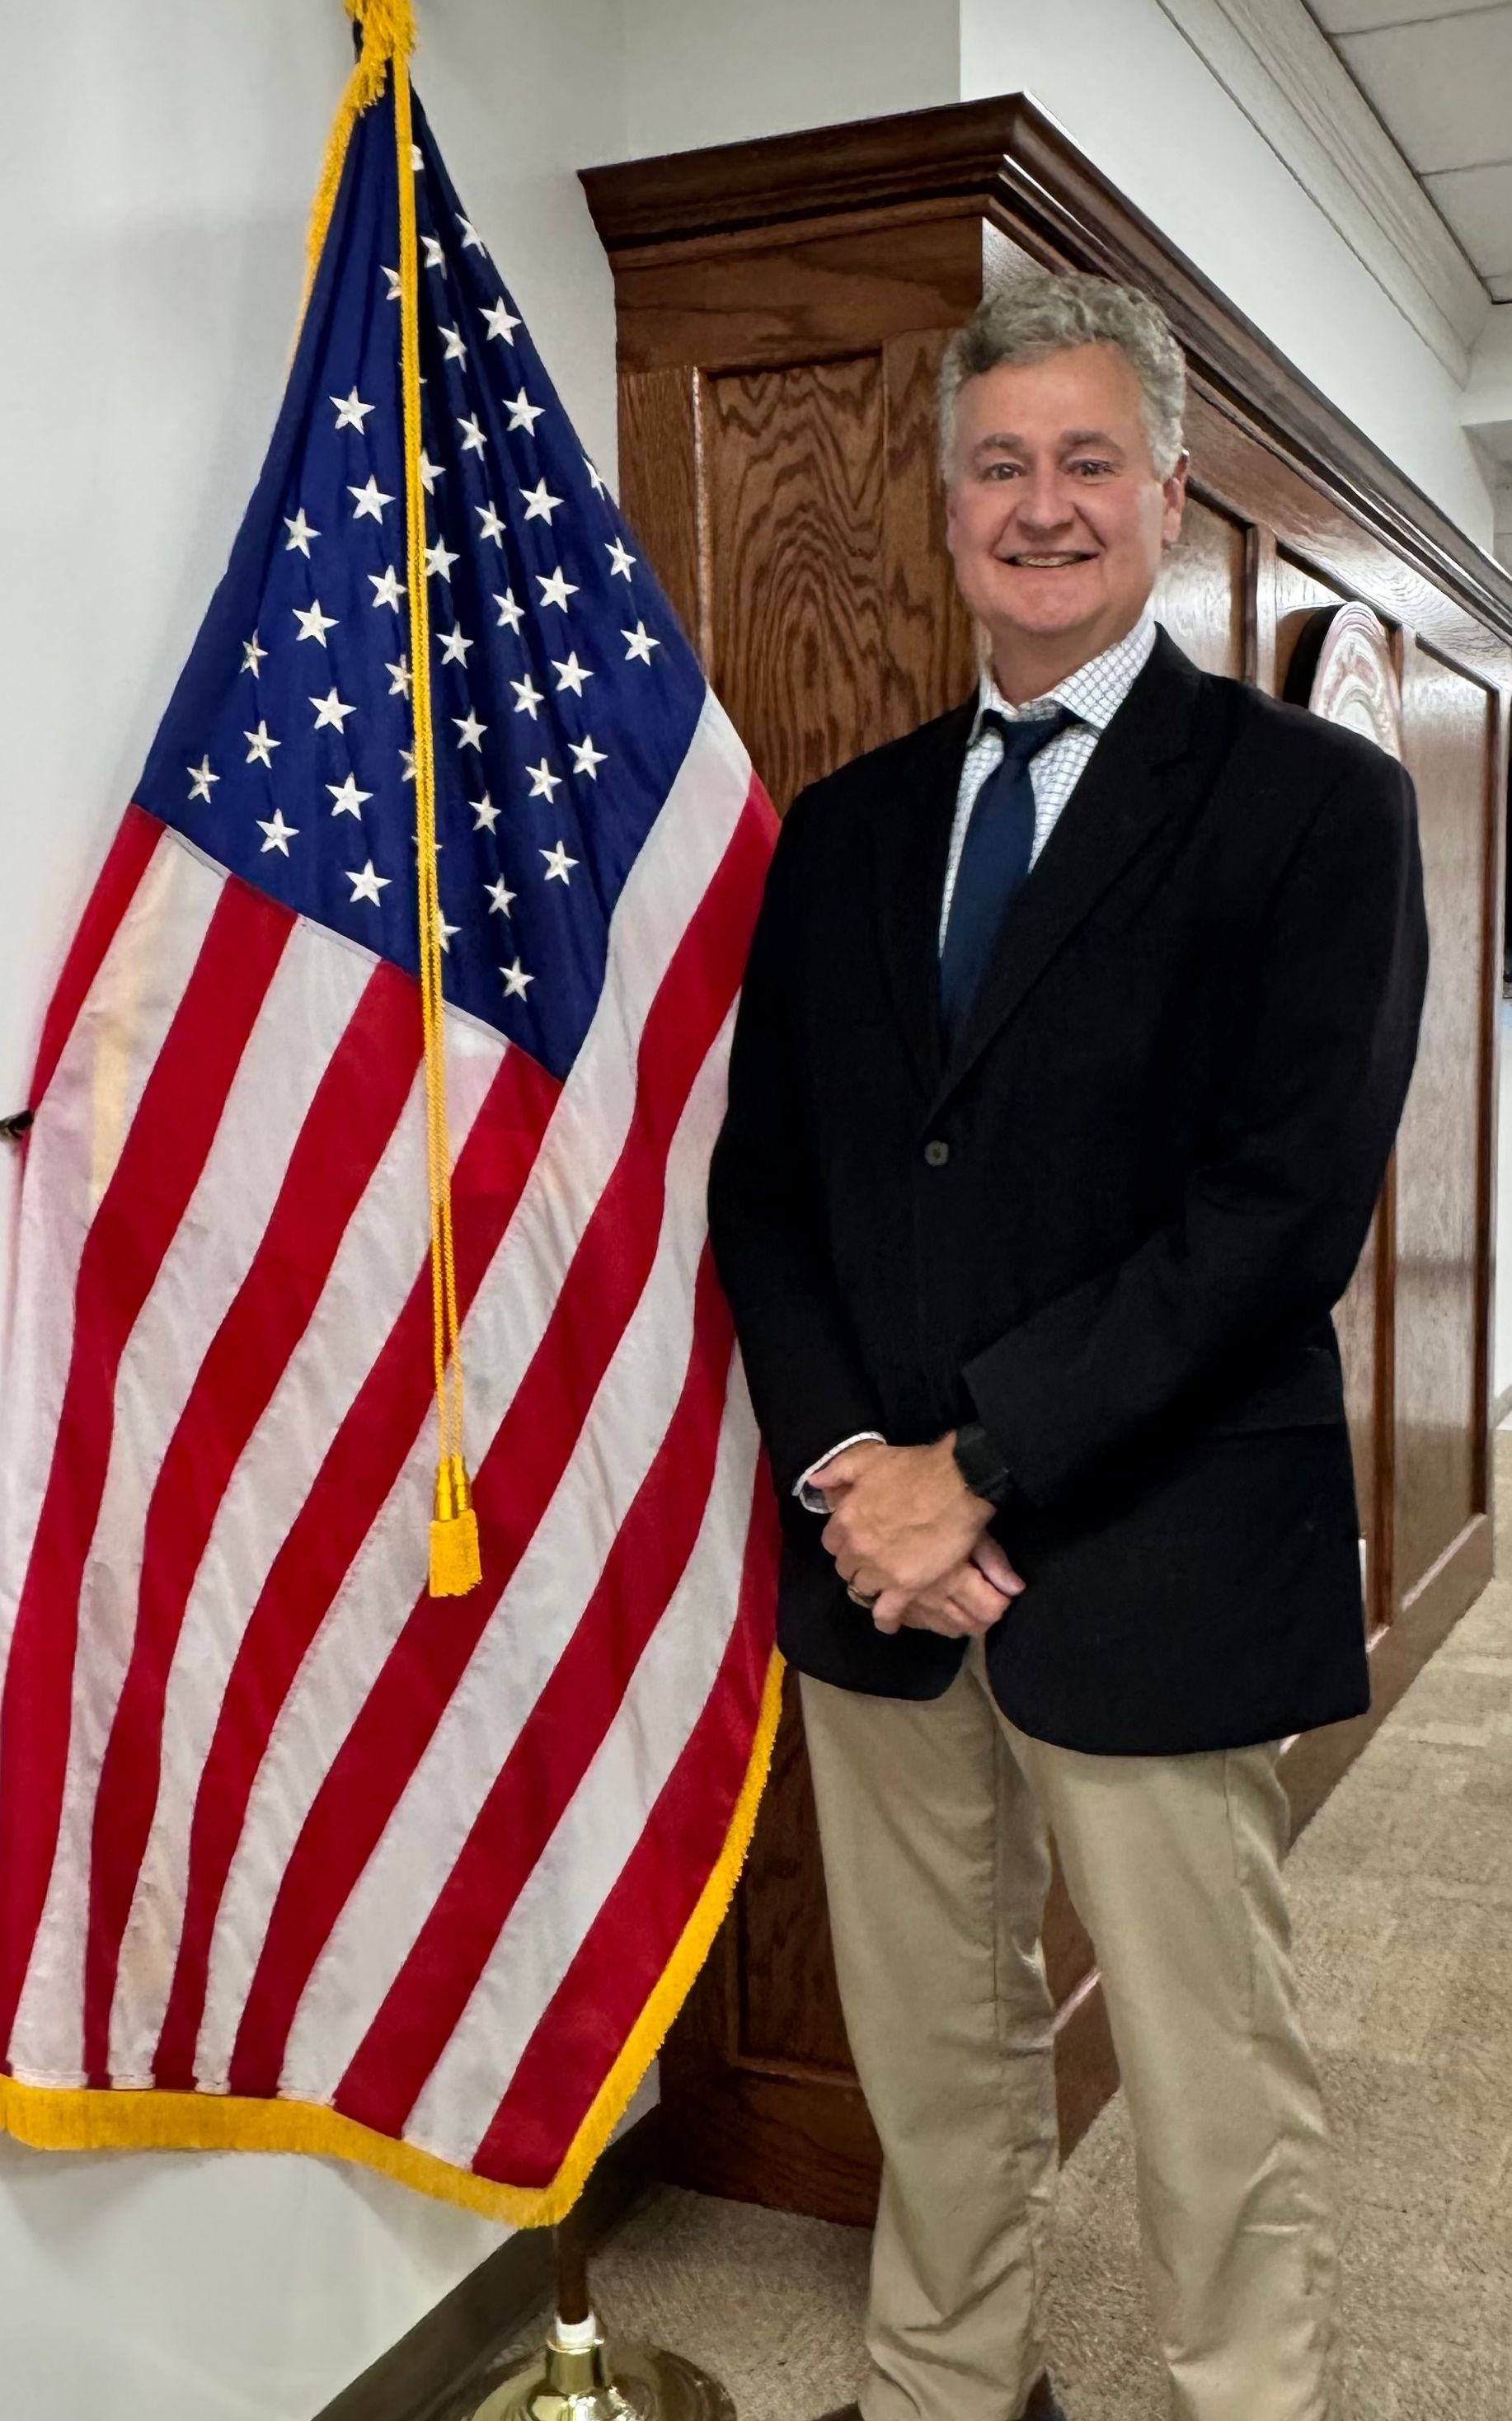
(578,2377)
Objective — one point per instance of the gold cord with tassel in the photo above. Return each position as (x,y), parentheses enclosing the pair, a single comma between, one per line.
(387,36)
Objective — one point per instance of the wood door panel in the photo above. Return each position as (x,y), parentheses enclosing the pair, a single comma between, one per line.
(1442,1187)
(794,502)
(788,2008)
(1200,595)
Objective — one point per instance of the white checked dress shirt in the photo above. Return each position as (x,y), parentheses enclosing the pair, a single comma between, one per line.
(1093,693)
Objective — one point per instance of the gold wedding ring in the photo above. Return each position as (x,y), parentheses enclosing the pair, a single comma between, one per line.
(858,1598)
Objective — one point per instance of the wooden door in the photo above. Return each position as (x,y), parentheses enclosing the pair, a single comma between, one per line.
(782,309)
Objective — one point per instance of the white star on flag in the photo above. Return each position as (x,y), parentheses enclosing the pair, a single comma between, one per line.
(585,757)
(351,410)
(485,814)
(440,557)
(523,413)
(261,745)
(402,677)
(370,501)
(454,349)
(490,523)
(429,473)
(279,833)
(435,258)
(620,558)
(539,506)
(500,320)
(453,647)
(471,239)
(473,440)
(555,588)
(201,777)
(387,590)
(330,709)
(500,897)
(641,644)
(600,488)
(515,981)
(393,277)
(251,654)
(368,884)
(558,863)
(527,696)
(299,532)
(542,780)
(510,615)
(313,624)
(469,731)
(574,674)
(346,797)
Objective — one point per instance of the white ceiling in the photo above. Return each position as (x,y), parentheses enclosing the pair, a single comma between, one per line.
(1437,73)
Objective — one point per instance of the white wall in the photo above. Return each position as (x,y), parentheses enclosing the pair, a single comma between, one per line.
(1133,95)
(156,172)
(702,71)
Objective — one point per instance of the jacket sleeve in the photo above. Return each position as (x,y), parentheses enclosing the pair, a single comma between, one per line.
(1274,1217)
(765,1211)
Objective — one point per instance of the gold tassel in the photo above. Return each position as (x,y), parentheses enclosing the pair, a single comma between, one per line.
(456,1559)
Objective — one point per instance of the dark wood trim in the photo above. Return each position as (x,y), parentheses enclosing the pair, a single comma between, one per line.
(1002,158)
(441,2369)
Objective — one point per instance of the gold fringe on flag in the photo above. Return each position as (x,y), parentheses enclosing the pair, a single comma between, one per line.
(387,37)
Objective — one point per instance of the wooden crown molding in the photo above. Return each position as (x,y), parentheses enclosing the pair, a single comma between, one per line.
(1006,160)
(1275,62)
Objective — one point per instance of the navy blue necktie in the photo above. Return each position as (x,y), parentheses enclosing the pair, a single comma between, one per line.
(995,862)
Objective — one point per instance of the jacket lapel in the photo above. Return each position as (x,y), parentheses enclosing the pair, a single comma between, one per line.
(911,843)
(1143,769)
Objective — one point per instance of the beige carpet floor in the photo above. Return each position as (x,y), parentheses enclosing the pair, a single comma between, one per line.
(1402,1892)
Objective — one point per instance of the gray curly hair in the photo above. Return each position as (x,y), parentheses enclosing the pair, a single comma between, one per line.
(1045,311)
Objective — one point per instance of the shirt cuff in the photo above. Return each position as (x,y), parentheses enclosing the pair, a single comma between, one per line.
(804,1489)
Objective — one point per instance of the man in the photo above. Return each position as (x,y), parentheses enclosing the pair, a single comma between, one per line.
(1076,1032)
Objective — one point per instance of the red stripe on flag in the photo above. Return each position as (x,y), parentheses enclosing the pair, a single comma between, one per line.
(530,1451)
(157,1170)
(361,1467)
(591,2016)
(131,853)
(345,1131)
(557,1743)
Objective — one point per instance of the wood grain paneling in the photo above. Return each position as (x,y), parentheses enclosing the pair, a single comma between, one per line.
(1200,596)
(1442,1251)
(782,307)
(794,491)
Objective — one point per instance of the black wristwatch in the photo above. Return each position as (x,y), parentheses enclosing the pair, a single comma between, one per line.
(980,1464)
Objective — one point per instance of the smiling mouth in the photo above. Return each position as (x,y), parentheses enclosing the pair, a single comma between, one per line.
(1042,562)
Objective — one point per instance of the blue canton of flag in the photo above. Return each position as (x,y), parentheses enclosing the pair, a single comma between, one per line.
(564,694)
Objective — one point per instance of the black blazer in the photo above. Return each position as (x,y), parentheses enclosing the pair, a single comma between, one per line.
(1112,1225)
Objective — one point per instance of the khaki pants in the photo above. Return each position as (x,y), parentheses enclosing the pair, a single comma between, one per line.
(932,1818)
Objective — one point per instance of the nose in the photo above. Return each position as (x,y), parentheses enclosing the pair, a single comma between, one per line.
(1043,504)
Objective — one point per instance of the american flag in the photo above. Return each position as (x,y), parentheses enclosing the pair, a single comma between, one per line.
(292,1854)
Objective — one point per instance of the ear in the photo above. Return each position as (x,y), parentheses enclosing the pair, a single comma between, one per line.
(1174,492)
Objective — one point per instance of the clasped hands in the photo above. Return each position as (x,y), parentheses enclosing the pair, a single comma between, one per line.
(907,1533)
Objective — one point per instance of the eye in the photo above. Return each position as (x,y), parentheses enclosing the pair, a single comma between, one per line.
(1093,467)
(1000,470)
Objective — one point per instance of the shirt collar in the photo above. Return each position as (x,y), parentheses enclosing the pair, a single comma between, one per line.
(1094,691)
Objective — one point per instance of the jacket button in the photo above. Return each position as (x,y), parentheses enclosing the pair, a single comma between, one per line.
(936,1153)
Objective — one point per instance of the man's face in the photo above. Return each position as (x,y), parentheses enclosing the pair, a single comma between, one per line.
(1056,518)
